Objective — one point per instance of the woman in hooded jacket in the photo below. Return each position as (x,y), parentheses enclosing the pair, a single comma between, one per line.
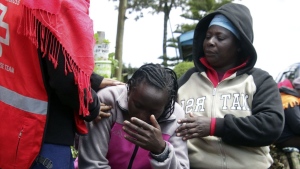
(233,110)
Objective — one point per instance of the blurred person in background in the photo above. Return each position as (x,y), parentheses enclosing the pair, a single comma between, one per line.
(290,96)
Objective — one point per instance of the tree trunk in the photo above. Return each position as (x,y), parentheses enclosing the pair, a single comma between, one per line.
(119,38)
(165,33)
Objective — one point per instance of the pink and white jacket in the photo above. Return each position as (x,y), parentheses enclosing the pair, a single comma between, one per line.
(106,147)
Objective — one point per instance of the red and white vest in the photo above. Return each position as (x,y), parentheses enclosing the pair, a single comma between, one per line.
(23,97)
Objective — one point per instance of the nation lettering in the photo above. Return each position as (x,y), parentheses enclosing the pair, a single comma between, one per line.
(236,101)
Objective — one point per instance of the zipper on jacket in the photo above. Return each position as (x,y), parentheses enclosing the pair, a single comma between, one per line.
(214,91)
(132,157)
(223,155)
(20,135)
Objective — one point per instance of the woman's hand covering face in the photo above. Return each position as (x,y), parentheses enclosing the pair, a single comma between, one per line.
(147,136)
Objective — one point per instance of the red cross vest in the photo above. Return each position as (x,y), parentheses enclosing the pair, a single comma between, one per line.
(23,97)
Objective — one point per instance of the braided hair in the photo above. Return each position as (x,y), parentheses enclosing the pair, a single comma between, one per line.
(160,77)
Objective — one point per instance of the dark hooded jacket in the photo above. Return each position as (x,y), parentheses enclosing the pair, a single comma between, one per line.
(245,103)
(291,105)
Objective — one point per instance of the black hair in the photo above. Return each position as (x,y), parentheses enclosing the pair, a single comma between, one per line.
(160,77)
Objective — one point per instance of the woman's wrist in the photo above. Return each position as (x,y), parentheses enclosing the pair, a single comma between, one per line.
(162,156)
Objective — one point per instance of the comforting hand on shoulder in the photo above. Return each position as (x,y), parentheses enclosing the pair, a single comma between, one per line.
(193,126)
(110,82)
(103,113)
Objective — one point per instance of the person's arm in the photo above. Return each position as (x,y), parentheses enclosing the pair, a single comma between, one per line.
(96,81)
(292,118)
(265,124)
(177,157)
(93,147)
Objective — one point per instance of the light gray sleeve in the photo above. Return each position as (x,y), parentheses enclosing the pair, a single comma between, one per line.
(93,147)
(178,153)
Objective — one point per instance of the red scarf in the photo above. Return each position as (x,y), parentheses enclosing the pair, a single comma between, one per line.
(69,22)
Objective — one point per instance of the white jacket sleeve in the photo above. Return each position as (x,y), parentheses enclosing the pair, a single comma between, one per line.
(178,153)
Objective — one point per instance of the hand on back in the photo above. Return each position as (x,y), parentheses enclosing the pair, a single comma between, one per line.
(193,127)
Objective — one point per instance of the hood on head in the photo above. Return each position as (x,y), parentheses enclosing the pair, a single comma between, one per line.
(241,18)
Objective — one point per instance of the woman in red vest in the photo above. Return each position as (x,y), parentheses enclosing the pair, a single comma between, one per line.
(46,62)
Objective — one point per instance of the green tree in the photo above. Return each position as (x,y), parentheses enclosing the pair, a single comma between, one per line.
(155,7)
(171,61)
(182,67)
(128,72)
(119,38)
(196,10)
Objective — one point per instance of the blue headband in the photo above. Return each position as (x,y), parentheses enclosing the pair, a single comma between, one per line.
(222,21)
